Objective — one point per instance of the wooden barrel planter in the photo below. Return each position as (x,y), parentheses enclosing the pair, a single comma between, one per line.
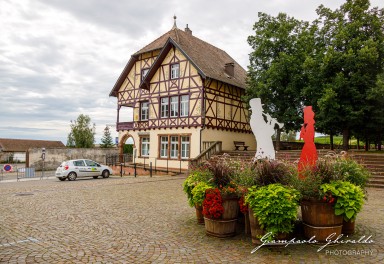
(226,225)
(231,208)
(247,224)
(220,228)
(319,220)
(199,215)
(256,231)
(348,227)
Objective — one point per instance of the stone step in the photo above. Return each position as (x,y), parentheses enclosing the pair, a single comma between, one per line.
(374,185)
(375,182)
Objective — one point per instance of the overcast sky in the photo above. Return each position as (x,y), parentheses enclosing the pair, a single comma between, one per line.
(61,58)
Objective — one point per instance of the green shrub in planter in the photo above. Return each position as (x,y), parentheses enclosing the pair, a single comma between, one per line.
(275,207)
(198,193)
(196,176)
(347,198)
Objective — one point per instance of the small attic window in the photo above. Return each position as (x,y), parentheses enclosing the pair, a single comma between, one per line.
(229,68)
(175,70)
(144,73)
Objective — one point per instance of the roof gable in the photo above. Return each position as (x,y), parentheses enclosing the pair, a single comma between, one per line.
(167,47)
(208,59)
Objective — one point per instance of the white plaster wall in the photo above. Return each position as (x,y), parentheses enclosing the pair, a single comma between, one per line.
(227,138)
(55,156)
(194,134)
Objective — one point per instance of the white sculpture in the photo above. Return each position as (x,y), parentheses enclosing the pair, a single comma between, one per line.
(263,130)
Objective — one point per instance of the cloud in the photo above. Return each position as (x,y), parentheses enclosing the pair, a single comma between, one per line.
(59,59)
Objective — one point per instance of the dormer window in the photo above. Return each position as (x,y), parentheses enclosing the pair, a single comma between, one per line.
(175,71)
(144,73)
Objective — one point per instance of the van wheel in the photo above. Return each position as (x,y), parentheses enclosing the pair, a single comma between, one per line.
(72,176)
(105,174)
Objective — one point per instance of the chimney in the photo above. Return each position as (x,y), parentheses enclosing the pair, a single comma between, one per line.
(187,30)
(229,68)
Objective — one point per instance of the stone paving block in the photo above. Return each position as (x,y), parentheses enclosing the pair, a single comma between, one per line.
(144,220)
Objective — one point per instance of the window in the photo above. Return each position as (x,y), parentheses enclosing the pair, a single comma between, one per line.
(164,147)
(184,103)
(185,147)
(78,163)
(175,71)
(174,106)
(145,146)
(174,147)
(144,111)
(91,163)
(144,73)
(164,107)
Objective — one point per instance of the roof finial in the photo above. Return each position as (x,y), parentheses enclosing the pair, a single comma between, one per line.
(174,22)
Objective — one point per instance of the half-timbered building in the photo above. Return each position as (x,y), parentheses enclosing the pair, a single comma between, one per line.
(183,94)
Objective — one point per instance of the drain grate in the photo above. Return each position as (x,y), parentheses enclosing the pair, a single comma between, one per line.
(23,194)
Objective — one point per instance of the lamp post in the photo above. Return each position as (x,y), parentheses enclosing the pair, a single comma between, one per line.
(43,158)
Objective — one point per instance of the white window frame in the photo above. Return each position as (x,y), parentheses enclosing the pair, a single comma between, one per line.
(144,111)
(185,147)
(163,146)
(144,73)
(174,109)
(174,153)
(175,71)
(145,144)
(164,107)
(184,105)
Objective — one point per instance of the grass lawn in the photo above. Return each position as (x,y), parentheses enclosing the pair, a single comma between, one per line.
(338,142)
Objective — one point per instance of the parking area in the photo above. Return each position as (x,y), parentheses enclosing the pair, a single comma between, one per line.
(146,220)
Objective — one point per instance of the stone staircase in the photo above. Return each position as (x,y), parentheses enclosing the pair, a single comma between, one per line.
(373,162)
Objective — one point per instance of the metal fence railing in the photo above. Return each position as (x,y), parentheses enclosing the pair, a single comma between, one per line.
(18,173)
(117,159)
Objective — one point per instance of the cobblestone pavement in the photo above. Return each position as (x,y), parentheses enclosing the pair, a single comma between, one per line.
(145,220)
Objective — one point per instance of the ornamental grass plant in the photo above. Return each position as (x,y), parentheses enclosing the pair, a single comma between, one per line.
(327,170)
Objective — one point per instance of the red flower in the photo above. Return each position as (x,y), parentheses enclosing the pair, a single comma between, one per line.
(213,204)
(243,206)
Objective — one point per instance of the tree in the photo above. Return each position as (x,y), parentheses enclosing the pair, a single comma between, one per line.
(347,65)
(280,47)
(82,134)
(289,136)
(106,140)
(373,130)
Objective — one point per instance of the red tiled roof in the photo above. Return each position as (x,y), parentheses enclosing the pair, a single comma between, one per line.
(22,145)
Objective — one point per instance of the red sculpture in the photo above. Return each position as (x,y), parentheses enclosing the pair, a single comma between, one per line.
(308,155)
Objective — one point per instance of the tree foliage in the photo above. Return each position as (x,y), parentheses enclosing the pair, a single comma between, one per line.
(106,140)
(82,133)
(279,45)
(351,58)
(332,64)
